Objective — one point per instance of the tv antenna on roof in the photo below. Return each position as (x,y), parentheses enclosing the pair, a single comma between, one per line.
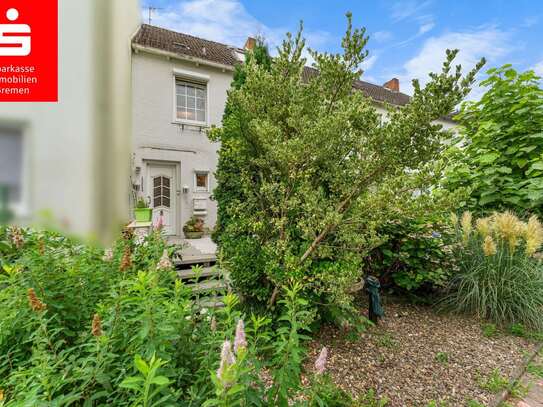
(151,9)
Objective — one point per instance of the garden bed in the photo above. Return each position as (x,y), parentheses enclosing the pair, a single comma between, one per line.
(416,356)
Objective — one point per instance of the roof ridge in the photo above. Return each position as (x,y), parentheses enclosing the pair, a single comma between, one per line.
(189,35)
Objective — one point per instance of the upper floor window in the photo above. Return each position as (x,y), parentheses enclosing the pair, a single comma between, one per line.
(11,165)
(191,101)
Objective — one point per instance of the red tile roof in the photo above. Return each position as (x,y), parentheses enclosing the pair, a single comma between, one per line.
(189,46)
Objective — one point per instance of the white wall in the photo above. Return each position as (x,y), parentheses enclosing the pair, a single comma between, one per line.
(64,141)
(158,137)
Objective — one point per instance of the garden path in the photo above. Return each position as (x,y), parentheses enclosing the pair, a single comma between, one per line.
(534,398)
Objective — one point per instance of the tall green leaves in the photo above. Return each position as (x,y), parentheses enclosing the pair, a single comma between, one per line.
(501,148)
(302,156)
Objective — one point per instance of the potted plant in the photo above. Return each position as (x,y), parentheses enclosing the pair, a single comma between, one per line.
(194,228)
(142,212)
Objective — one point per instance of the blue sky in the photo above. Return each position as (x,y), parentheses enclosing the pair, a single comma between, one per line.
(408,38)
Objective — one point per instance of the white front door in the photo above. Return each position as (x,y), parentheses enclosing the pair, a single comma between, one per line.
(161,191)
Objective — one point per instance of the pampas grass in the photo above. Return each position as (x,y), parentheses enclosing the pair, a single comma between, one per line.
(499,277)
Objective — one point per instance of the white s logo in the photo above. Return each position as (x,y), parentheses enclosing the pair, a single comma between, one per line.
(17,41)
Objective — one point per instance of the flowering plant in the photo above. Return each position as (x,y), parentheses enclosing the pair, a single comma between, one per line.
(500,274)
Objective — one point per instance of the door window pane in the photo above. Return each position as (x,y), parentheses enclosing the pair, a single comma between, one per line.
(161,191)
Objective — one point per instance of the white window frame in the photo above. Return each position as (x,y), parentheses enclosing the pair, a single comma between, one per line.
(196,187)
(198,79)
(21,208)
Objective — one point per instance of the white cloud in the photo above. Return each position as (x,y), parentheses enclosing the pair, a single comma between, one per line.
(225,21)
(530,21)
(368,62)
(381,36)
(423,29)
(487,41)
(401,10)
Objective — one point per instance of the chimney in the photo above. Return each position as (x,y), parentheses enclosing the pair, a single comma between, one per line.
(250,44)
(393,85)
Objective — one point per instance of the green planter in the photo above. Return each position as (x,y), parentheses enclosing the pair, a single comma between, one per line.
(194,235)
(143,214)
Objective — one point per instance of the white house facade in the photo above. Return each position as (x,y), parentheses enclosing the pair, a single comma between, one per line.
(69,160)
(180,86)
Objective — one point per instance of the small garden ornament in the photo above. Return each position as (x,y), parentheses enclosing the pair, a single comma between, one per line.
(375,309)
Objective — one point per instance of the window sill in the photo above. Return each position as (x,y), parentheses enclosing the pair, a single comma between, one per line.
(190,123)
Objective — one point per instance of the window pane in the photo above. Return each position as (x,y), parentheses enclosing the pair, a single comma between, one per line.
(11,163)
(191,114)
(201,180)
(181,114)
(181,89)
(166,201)
(191,102)
(166,181)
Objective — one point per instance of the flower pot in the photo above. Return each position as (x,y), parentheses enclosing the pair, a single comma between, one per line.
(194,235)
(143,214)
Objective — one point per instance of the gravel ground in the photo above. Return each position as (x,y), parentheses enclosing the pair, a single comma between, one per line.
(415,356)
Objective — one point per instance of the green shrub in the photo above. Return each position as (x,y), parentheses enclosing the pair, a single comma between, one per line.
(498,155)
(499,278)
(414,254)
(82,327)
(303,158)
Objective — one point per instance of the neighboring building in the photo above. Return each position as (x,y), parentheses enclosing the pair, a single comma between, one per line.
(180,86)
(70,159)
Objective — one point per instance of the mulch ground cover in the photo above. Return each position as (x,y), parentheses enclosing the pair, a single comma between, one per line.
(416,355)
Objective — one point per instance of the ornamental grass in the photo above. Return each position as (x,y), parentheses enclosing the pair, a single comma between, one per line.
(500,274)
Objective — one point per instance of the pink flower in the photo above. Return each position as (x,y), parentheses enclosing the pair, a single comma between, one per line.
(227,360)
(159,222)
(320,363)
(240,341)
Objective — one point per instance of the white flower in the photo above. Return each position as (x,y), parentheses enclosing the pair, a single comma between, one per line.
(165,263)
(108,255)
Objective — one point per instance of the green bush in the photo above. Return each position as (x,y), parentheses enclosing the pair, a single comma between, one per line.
(415,254)
(500,277)
(80,326)
(304,158)
(499,154)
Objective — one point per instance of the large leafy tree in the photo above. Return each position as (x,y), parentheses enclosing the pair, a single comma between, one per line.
(499,154)
(305,163)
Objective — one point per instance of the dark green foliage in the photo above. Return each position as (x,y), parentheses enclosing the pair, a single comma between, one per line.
(305,163)
(415,254)
(499,155)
